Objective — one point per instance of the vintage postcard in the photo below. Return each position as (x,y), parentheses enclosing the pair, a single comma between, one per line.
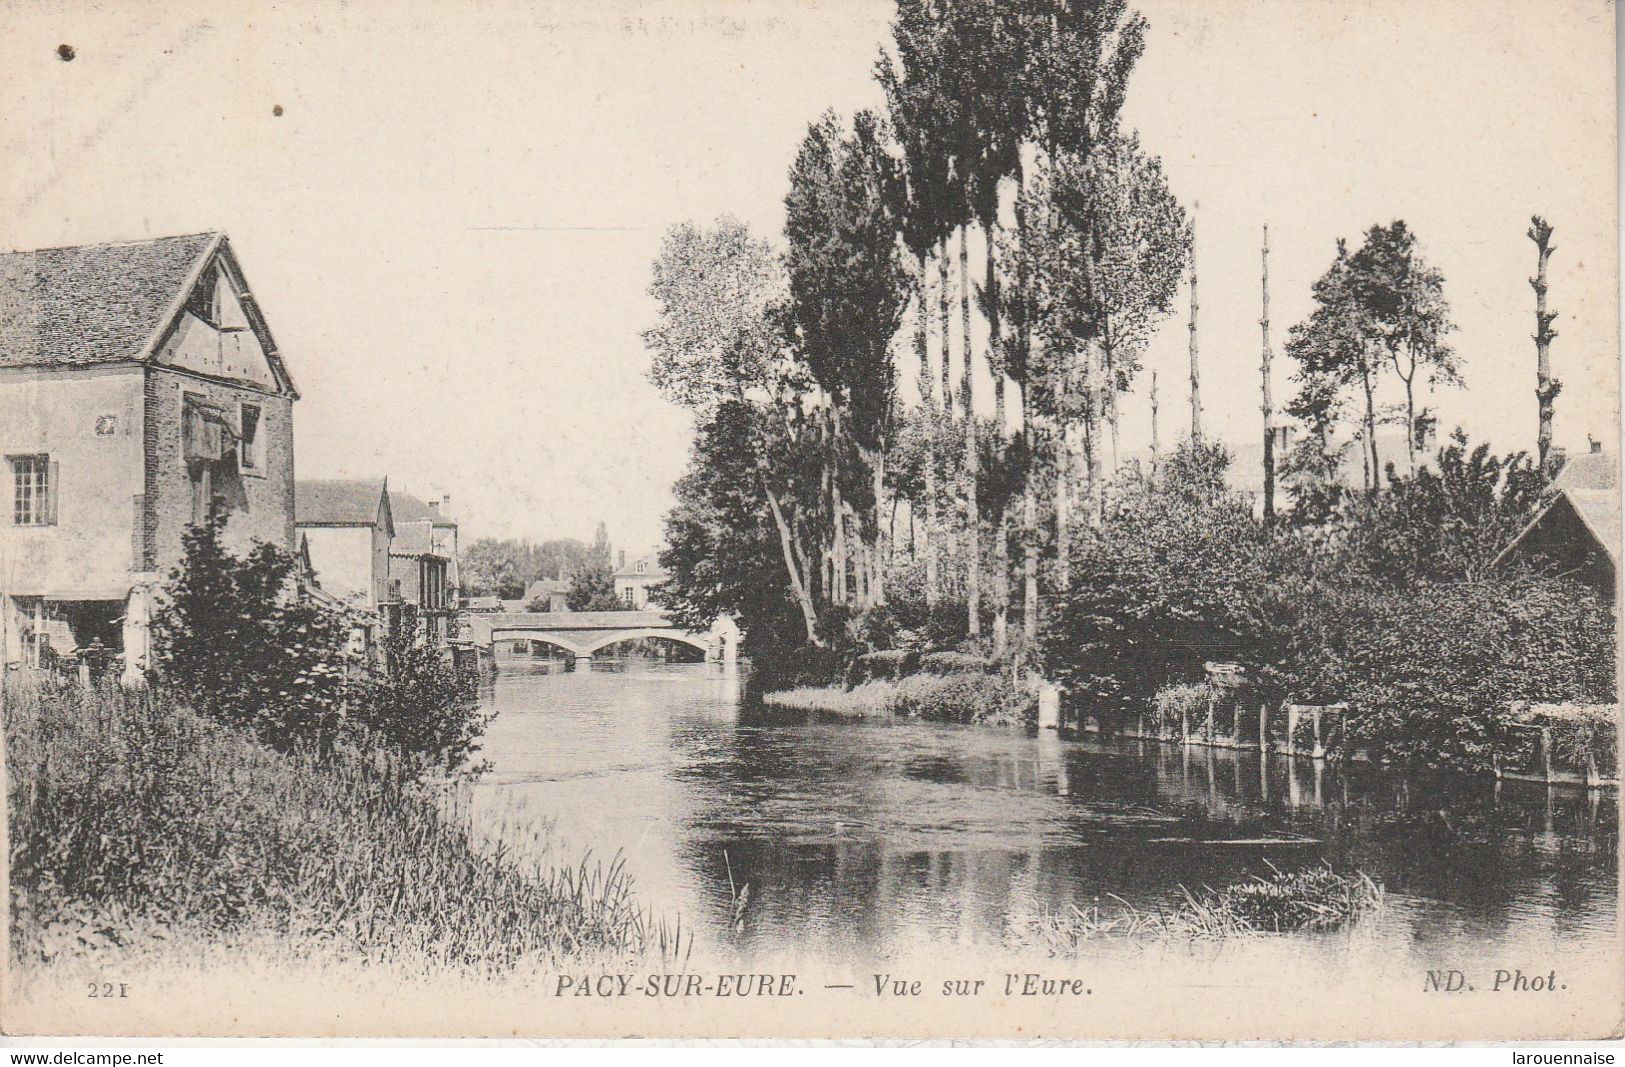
(1022,519)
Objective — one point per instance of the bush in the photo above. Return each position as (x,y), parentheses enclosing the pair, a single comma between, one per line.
(985,699)
(965,698)
(1430,673)
(891,663)
(957,663)
(1179,705)
(236,644)
(423,708)
(230,640)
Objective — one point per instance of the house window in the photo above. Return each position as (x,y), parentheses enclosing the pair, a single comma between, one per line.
(34,488)
(631,596)
(641,566)
(250,439)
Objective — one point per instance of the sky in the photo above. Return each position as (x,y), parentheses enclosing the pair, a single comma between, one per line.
(450,222)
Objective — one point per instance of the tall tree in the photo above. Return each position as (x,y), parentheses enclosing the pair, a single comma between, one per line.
(848,291)
(1335,346)
(1106,243)
(1404,306)
(1546,387)
(1074,59)
(921,118)
(719,337)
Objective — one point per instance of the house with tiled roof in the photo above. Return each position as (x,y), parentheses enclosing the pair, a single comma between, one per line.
(418,570)
(347,526)
(1577,532)
(435,519)
(544,594)
(635,579)
(141,391)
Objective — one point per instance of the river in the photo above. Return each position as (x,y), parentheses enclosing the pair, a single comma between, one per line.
(868,840)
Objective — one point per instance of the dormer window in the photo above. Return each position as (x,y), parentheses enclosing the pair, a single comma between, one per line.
(642,566)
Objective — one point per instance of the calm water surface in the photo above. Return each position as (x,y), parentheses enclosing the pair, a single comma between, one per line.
(865,838)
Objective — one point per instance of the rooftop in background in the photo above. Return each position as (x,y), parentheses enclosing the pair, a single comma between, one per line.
(1594,470)
(408,508)
(338,502)
(642,567)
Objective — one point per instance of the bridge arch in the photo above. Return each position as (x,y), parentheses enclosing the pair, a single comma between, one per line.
(681,637)
(540,637)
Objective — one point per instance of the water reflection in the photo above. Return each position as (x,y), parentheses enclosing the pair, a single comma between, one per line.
(861,838)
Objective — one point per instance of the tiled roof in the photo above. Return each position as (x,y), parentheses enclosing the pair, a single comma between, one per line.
(1599,509)
(411,538)
(1589,470)
(651,569)
(337,502)
(543,587)
(408,508)
(92,304)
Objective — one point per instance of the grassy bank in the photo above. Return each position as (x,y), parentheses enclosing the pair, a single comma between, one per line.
(140,828)
(1315,898)
(961,698)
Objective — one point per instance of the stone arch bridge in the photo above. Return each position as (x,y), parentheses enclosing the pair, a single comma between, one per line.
(584,633)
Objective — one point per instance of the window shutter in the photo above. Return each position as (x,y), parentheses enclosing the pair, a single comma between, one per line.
(53,492)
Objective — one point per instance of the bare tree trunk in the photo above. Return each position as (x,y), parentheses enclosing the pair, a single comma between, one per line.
(882,546)
(1063,507)
(1156,444)
(945,319)
(996,365)
(1410,418)
(1546,387)
(1371,428)
(928,403)
(1196,386)
(1111,403)
(1268,404)
(967,393)
(793,567)
(1029,528)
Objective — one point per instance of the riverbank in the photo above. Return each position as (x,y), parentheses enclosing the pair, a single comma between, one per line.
(983,699)
(142,832)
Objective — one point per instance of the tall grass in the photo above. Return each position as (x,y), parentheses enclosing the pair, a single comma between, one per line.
(141,827)
(1315,898)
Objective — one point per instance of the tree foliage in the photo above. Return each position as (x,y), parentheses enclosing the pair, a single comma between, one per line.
(232,639)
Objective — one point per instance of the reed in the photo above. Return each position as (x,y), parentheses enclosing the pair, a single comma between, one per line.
(139,827)
(1316,898)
